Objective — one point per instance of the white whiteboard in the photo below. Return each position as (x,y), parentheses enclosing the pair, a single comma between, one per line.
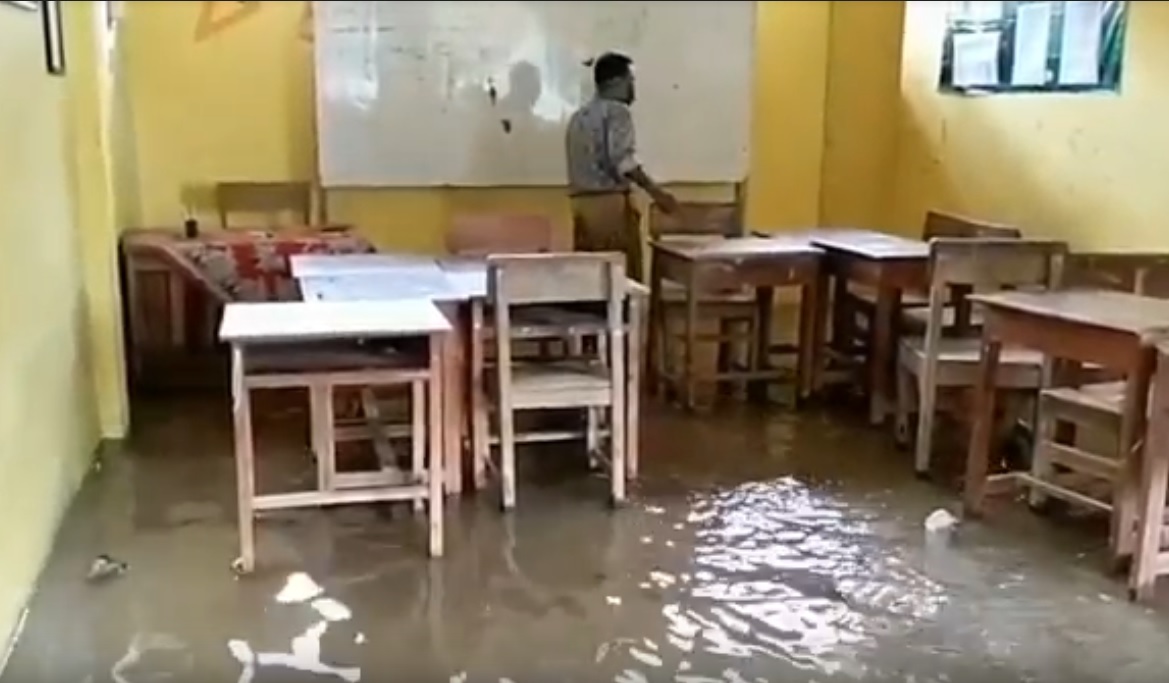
(404,88)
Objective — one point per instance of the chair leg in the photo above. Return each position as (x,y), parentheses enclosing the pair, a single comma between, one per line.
(617,465)
(592,436)
(1041,466)
(927,405)
(436,475)
(507,455)
(323,444)
(417,436)
(905,396)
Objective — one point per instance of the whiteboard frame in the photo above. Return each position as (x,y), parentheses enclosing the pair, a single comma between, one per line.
(318,158)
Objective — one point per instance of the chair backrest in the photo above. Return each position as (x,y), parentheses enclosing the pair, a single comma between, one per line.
(576,277)
(272,200)
(958,265)
(697,218)
(992,264)
(948,225)
(482,234)
(1146,274)
(522,279)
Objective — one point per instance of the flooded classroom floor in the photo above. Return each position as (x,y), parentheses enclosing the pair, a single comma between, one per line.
(775,547)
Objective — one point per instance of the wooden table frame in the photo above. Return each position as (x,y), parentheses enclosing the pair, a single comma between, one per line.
(889,275)
(292,347)
(477,336)
(1122,346)
(1150,561)
(464,410)
(760,263)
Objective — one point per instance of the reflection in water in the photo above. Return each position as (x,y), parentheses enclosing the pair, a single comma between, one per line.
(305,651)
(783,573)
(725,569)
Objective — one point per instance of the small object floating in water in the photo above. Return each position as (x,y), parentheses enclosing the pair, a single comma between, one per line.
(940,525)
(105,567)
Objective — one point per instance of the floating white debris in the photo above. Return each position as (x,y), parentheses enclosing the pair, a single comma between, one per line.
(331,609)
(299,587)
(940,527)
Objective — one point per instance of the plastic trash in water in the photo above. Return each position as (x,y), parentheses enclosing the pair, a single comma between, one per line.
(105,567)
(940,526)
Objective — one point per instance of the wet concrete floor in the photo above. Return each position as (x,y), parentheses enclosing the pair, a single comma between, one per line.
(757,548)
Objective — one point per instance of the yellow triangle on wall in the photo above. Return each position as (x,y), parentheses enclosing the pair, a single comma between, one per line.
(305,31)
(215,16)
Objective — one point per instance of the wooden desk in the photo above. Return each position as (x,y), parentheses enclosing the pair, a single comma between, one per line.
(889,264)
(459,286)
(1113,330)
(1150,560)
(222,266)
(287,344)
(761,263)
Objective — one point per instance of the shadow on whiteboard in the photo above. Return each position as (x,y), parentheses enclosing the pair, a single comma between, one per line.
(514,135)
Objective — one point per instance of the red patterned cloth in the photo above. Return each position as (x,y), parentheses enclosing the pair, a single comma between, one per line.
(241,265)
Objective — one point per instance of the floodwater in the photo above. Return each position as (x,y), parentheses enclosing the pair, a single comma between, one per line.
(755,548)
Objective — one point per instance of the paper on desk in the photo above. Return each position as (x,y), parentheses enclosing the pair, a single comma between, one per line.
(1079,62)
(1032,36)
(378,287)
(976,59)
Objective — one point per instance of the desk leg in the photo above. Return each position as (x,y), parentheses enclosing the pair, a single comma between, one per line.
(884,339)
(689,357)
(764,305)
(440,448)
(633,397)
(453,401)
(480,429)
(1153,483)
(842,331)
(1132,432)
(657,331)
(245,472)
(807,368)
(978,458)
(176,291)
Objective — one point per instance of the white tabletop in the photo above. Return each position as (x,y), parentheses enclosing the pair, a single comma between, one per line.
(294,321)
(457,282)
(397,277)
(318,265)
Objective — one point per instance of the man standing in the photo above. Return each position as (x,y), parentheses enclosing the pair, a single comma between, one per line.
(600,147)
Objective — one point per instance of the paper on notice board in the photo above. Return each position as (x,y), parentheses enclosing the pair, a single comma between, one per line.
(980,10)
(1032,35)
(976,59)
(1079,62)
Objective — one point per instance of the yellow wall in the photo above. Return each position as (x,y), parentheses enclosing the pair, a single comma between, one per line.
(48,419)
(1088,168)
(861,113)
(240,105)
(91,123)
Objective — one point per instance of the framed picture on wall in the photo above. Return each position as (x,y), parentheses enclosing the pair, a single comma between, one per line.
(54,37)
(29,5)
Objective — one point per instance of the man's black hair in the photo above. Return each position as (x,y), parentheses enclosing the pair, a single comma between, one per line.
(609,66)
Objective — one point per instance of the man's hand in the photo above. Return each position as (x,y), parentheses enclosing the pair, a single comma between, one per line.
(666,201)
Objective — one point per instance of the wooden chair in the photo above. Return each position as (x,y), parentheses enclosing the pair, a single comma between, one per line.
(483,234)
(862,303)
(476,235)
(733,307)
(275,202)
(594,384)
(1065,464)
(935,362)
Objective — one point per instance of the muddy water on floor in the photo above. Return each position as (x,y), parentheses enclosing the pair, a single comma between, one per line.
(756,549)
